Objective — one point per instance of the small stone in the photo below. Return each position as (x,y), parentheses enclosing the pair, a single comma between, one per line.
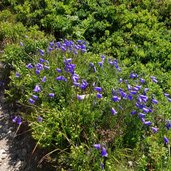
(130,163)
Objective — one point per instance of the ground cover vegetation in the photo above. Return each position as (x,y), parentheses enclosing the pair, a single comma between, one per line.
(97,94)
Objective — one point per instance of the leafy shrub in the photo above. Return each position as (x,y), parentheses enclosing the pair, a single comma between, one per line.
(91,109)
(138,30)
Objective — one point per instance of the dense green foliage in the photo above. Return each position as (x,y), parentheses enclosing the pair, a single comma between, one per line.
(136,30)
(70,114)
(75,99)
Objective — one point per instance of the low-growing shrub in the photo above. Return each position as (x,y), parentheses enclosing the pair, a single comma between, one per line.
(91,109)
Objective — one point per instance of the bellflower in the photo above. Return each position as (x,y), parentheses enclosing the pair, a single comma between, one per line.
(166,94)
(34,97)
(39,66)
(61,78)
(116,98)
(168,124)
(133,112)
(58,70)
(169,99)
(154,129)
(130,97)
(47,67)
(81,97)
(148,123)
(166,140)
(104,152)
(114,112)
(133,75)
(98,89)
(44,79)
(99,96)
(42,52)
(51,95)
(142,115)
(97,146)
(29,66)
(31,101)
(19,121)
(84,85)
(17,75)
(14,119)
(145,110)
(133,92)
(154,79)
(41,60)
(142,80)
(154,101)
(37,72)
(37,89)
(39,119)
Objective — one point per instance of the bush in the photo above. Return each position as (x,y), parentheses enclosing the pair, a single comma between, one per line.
(92,110)
(138,30)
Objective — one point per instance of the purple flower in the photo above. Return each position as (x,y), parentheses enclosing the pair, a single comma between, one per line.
(39,119)
(39,66)
(104,152)
(41,60)
(44,79)
(130,97)
(142,80)
(154,129)
(21,44)
(14,119)
(116,98)
(166,140)
(58,70)
(47,67)
(99,96)
(133,75)
(166,94)
(169,99)
(37,72)
(81,97)
(114,112)
(98,89)
(143,98)
(61,78)
(37,89)
(140,106)
(35,97)
(148,123)
(154,79)
(133,112)
(19,121)
(51,95)
(142,115)
(123,94)
(41,52)
(31,101)
(84,85)
(97,146)
(168,124)
(29,66)
(129,87)
(102,166)
(145,90)
(145,110)
(133,92)
(17,75)
(154,101)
